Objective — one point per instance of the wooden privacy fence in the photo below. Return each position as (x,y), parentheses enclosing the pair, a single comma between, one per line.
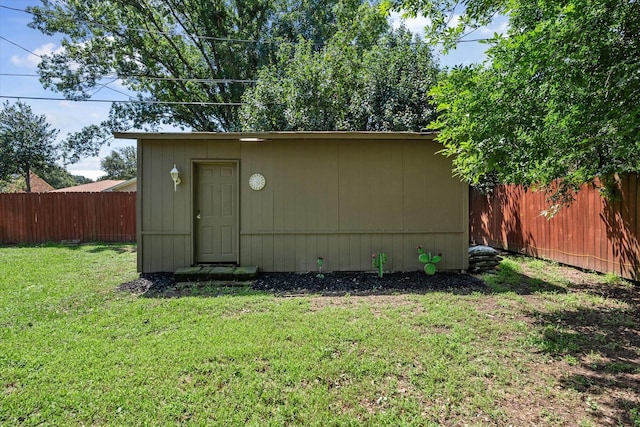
(592,233)
(53,217)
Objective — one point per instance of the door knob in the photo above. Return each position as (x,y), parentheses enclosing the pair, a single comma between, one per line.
(198,215)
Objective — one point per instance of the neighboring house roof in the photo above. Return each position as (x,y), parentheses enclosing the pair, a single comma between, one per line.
(94,187)
(18,185)
(39,185)
(128,185)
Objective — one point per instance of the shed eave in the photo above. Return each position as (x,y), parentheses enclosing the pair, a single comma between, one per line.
(274,135)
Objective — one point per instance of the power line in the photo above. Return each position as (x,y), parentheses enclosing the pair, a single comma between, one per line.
(21,47)
(161,78)
(164,33)
(139,76)
(13,8)
(188,79)
(105,85)
(102,85)
(129,101)
(18,75)
(224,39)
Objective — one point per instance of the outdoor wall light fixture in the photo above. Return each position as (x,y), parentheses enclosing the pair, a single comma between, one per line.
(175,177)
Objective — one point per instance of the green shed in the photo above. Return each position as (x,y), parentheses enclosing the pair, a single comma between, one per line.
(281,200)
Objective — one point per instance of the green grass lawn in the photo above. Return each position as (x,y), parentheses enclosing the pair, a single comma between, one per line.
(539,347)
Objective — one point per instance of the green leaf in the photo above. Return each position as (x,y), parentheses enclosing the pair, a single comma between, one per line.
(381,83)
(552,106)
(27,142)
(172,53)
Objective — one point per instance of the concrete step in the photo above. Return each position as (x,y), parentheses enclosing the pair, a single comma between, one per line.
(211,272)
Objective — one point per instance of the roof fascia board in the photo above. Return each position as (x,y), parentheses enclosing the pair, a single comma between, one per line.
(274,135)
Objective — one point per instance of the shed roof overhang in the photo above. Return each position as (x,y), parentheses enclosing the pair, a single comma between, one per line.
(270,136)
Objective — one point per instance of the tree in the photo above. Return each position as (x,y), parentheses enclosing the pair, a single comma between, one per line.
(122,163)
(188,61)
(558,99)
(27,141)
(450,20)
(397,75)
(51,173)
(59,177)
(378,87)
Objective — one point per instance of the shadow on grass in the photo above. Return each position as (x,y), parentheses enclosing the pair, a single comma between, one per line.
(202,290)
(98,247)
(119,248)
(599,339)
(603,345)
(510,280)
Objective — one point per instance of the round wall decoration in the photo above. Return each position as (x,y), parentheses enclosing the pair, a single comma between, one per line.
(257,181)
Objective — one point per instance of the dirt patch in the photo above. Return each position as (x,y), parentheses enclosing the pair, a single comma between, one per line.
(148,282)
(375,302)
(585,364)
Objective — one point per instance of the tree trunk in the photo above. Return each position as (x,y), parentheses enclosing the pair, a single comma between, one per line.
(27,181)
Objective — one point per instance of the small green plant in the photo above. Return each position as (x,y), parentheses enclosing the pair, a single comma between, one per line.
(634,414)
(320,261)
(378,261)
(429,261)
(613,279)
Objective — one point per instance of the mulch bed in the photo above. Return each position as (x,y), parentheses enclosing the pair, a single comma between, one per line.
(336,283)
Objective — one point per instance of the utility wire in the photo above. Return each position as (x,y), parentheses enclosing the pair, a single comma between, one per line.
(103,85)
(138,76)
(129,101)
(13,8)
(160,78)
(222,39)
(21,47)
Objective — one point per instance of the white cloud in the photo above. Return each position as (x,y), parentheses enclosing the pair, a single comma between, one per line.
(499,24)
(453,22)
(32,61)
(90,166)
(415,25)
(87,173)
(68,104)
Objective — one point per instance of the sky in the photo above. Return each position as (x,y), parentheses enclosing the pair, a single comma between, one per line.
(21,45)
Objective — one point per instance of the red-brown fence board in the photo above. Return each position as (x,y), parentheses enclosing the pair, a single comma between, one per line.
(592,233)
(53,217)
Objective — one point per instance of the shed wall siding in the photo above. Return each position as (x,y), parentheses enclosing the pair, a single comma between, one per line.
(166,216)
(339,199)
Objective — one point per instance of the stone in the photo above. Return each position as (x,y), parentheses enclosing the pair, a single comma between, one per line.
(483,259)
(482,250)
(187,274)
(245,273)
